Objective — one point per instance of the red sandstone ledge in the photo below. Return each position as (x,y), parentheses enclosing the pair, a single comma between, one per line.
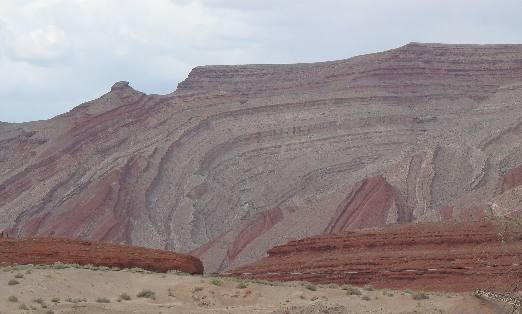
(44,251)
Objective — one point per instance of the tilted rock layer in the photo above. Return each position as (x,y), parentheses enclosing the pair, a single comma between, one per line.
(432,256)
(45,251)
(241,158)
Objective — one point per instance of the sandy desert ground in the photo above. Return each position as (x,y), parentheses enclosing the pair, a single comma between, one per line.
(31,289)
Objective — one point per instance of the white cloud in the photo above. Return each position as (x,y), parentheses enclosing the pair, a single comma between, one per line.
(55,52)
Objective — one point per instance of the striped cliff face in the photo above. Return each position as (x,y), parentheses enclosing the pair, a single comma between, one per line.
(241,158)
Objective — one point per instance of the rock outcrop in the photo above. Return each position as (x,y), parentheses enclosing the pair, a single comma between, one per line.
(241,158)
(440,257)
(46,251)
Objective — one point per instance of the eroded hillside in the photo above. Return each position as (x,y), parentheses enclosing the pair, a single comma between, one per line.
(241,158)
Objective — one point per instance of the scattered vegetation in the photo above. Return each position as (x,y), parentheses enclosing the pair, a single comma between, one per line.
(147,294)
(19,276)
(103,300)
(310,287)
(23,307)
(12,299)
(333,286)
(125,297)
(241,285)
(420,296)
(49,312)
(353,291)
(366,298)
(55,300)
(197,289)
(368,288)
(216,282)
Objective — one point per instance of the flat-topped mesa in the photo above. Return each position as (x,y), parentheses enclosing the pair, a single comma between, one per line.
(413,69)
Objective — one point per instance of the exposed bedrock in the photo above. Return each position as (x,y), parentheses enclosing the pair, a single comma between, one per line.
(241,158)
(440,257)
(46,251)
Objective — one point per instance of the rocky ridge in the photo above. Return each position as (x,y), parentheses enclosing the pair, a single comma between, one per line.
(241,158)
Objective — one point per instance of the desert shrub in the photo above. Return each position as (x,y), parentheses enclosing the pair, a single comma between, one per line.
(420,296)
(366,298)
(19,276)
(216,282)
(197,289)
(55,300)
(59,265)
(146,293)
(23,307)
(368,288)
(39,301)
(310,287)
(241,285)
(12,299)
(13,282)
(125,297)
(103,300)
(49,312)
(353,291)
(333,286)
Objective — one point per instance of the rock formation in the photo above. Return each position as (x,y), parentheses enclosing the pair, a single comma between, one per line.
(46,251)
(241,158)
(441,257)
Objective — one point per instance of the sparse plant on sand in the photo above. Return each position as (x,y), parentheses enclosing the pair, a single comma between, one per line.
(368,288)
(147,294)
(19,276)
(13,282)
(23,307)
(12,299)
(197,289)
(241,285)
(366,298)
(55,300)
(353,291)
(125,297)
(310,287)
(103,300)
(420,296)
(49,312)
(333,286)
(216,282)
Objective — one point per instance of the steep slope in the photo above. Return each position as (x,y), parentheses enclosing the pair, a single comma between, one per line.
(441,257)
(241,158)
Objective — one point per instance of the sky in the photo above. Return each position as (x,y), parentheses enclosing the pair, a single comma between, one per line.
(57,54)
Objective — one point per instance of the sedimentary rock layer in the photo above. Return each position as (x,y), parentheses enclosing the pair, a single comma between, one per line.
(241,158)
(45,251)
(440,257)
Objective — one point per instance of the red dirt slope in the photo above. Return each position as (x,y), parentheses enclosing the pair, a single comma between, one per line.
(52,250)
(438,257)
